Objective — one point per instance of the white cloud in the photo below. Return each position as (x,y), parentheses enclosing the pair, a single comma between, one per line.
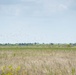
(13,10)
(35,7)
(63,7)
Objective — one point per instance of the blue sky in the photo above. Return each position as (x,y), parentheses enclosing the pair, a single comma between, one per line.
(48,21)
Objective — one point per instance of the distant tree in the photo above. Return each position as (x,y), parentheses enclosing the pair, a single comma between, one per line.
(51,43)
(74,44)
(69,45)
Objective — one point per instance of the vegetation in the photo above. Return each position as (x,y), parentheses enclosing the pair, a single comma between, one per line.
(36,59)
(43,44)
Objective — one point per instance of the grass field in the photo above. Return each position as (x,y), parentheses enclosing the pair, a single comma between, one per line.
(37,61)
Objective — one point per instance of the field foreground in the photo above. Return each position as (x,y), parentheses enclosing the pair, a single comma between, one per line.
(32,61)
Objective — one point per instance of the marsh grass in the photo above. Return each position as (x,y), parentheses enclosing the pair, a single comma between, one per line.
(34,61)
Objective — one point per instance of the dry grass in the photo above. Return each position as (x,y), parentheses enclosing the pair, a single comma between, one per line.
(38,62)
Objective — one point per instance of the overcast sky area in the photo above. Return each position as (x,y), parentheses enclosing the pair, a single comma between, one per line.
(43,21)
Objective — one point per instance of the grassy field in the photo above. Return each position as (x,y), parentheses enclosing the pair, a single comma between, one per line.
(16,60)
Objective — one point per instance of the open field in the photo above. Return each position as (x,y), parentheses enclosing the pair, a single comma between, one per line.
(37,61)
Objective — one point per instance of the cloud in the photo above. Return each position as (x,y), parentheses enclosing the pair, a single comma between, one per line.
(9,2)
(33,7)
(63,6)
(9,10)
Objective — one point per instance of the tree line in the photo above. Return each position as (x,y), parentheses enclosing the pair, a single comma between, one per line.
(40,44)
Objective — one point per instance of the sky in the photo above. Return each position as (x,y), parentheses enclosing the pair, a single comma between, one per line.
(42,21)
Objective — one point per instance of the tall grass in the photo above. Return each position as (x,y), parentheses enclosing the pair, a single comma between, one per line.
(37,61)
